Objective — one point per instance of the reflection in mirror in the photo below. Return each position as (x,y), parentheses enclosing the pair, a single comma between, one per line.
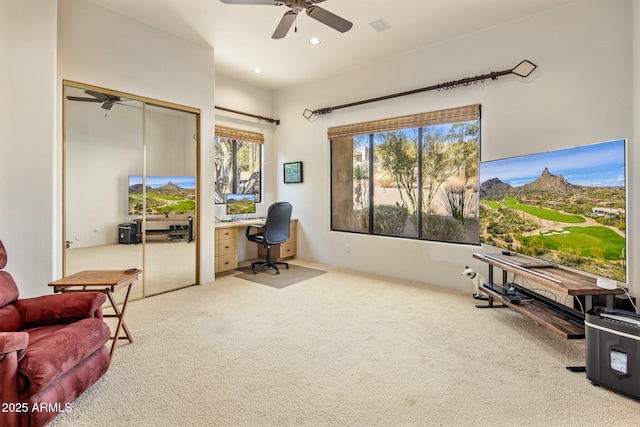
(170,196)
(115,150)
(103,142)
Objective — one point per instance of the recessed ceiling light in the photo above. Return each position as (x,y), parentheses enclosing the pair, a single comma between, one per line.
(314,41)
(257,70)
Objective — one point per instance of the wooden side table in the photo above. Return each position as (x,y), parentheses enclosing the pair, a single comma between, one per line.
(107,282)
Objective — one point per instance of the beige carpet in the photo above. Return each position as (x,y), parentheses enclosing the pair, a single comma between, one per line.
(340,349)
(287,277)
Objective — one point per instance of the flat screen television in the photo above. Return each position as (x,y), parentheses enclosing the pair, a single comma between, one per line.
(567,207)
(238,204)
(165,195)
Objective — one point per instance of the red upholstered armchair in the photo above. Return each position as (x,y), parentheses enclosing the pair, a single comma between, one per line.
(52,348)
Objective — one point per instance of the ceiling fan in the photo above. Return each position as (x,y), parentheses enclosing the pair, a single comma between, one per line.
(296,6)
(106,100)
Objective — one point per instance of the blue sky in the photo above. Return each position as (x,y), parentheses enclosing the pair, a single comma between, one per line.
(159,181)
(595,165)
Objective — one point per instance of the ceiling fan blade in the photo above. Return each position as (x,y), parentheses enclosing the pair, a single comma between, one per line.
(98,95)
(284,25)
(265,2)
(328,18)
(107,105)
(78,98)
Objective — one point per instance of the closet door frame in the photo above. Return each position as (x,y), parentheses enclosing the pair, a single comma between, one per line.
(146,101)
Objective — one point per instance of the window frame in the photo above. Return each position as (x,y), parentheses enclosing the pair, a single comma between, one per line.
(403,125)
(235,137)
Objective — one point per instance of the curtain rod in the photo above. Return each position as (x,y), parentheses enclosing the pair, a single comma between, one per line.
(523,69)
(275,121)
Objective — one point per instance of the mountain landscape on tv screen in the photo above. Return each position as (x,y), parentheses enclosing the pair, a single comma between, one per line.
(550,218)
(169,199)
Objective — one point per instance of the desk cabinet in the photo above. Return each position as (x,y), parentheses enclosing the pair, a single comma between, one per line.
(287,250)
(226,241)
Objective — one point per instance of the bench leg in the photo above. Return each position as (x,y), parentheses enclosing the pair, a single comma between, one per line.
(490,304)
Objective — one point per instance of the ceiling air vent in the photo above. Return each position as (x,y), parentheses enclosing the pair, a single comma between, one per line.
(380,25)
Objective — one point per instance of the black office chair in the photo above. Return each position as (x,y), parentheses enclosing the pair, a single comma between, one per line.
(274,232)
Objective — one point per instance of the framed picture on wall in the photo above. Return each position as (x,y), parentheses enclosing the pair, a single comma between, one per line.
(292,172)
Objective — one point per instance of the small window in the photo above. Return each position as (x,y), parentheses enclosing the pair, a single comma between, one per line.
(238,163)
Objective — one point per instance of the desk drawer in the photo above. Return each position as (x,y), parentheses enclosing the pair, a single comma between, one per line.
(286,250)
(226,233)
(226,247)
(226,262)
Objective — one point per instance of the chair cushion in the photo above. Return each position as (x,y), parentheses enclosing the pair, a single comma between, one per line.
(8,289)
(10,319)
(8,295)
(3,256)
(13,341)
(61,308)
(53,350)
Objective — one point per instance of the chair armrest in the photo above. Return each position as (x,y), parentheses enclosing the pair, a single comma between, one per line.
(60,308)
(13,341)
(248,233)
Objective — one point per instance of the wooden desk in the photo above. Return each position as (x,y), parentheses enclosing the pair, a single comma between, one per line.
(563,320)
(107,282)
(226,244)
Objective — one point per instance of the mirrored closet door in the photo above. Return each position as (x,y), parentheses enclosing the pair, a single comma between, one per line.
(130,187)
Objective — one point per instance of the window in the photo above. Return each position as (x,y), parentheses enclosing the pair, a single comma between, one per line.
(413,176)
(238,162)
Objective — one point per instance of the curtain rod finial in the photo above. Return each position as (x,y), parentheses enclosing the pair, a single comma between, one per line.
(524,68)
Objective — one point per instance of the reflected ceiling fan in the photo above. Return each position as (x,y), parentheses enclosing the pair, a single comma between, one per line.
(106,100)
(296,6)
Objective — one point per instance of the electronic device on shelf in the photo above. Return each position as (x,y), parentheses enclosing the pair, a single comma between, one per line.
(606,283)
(501,289)
(513,299)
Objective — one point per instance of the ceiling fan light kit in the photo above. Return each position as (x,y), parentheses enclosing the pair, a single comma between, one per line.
(319,14)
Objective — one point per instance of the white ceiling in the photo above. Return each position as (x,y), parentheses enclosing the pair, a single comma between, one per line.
(241,34)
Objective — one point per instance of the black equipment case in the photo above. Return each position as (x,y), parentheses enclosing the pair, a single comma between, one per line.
(127,233)
(612,340)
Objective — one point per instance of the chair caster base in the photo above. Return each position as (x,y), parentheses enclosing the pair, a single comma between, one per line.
(255,266)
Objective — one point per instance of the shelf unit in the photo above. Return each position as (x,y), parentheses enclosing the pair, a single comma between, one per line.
(185,229)
(565,321)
